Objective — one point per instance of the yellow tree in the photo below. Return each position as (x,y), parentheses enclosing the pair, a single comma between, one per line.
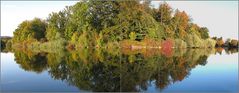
(180,23)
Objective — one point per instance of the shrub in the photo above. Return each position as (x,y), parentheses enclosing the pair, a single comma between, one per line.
(179,43)
(150,42)
(83,40)
(167,44)
(194,41)
(74,37)
(132,35)
(227,42)
(99,40)
(167,49)
(220,42)
(198,43)
(9,45)
(234,43)
(130,43)
(189,40)
(210,43)
(112,45)
(70,46)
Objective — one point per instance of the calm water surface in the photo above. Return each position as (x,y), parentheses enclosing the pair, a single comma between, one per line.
(195,70)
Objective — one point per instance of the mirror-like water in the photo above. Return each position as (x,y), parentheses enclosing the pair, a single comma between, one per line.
(195,70)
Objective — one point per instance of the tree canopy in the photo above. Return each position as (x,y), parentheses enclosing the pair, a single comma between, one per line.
(96,23)
(30,30)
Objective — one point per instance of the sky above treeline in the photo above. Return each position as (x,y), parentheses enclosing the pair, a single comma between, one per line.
(220,17)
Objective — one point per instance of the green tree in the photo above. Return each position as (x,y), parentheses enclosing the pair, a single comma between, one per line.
(101,14)
(133,18)
(227,42)
(132,35)
(34,29)
(77,19)
(163,13)
(204,32)
(53,26)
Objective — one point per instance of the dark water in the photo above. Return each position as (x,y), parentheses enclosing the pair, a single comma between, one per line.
(195,70)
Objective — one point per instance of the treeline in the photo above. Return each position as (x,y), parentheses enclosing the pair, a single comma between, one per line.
(91,23)
(229,43)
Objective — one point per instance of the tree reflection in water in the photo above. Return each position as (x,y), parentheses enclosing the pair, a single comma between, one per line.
(116,70)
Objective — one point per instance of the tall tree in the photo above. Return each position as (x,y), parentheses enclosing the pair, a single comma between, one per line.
(204,32)
(57,23)
(164,13)
(33,29)
(102,13)
(77,19)
(180,22)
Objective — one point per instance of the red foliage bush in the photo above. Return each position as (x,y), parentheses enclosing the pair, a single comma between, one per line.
(167,48)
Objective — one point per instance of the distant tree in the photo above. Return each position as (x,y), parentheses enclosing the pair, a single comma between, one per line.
(57,23)
(220,42)
(204,32)
(180,23)
(6,42)
(234,43)
(34,29)
(227,42)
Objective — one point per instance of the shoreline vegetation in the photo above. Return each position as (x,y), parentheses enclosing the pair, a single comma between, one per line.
(114,24)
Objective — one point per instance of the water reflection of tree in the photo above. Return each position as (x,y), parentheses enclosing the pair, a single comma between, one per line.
(31,62)
(231,50)
(112,70)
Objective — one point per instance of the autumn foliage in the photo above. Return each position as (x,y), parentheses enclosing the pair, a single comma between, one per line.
(167,49)
(130,23)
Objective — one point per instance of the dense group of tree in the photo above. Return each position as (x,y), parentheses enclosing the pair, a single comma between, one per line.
(107,23)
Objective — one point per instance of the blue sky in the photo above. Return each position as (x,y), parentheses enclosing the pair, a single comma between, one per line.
(221,17)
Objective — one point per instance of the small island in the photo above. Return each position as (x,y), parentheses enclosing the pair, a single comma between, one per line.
(119,46)
(113,24)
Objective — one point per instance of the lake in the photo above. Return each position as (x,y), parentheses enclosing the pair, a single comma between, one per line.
(191,70)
